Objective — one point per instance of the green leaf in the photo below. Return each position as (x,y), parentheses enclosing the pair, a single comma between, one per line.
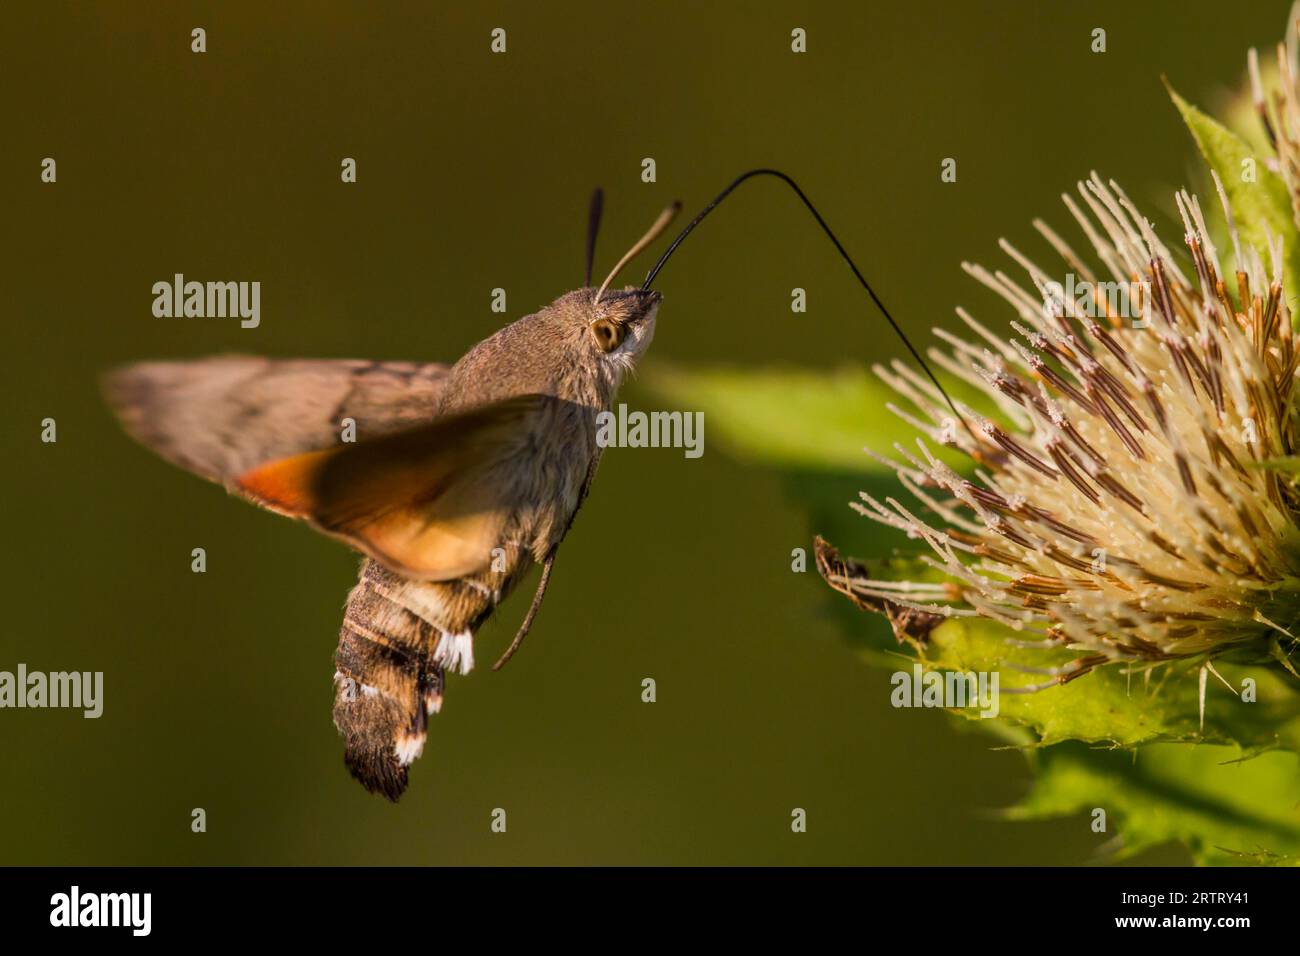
(1112,707)
(1229,792)
(810,420)
(1261,208)
(1223,810)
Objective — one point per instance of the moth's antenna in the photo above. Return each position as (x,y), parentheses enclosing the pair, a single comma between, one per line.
(840,248)
(593,227)
(653,233)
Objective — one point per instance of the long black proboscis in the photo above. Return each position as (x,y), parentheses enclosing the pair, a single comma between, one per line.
(839,248)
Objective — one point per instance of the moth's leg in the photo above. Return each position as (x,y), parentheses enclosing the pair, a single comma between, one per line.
(532,612)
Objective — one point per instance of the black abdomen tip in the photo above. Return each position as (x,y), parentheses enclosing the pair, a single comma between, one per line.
(378,770)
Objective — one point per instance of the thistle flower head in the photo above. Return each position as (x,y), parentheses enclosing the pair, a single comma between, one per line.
(1118,504)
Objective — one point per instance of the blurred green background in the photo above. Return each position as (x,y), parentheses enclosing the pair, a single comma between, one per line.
(474,173)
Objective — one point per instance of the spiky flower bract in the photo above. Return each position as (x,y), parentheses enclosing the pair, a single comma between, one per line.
(1279,109)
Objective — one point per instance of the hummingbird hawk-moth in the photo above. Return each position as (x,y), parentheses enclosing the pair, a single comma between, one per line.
(461,477)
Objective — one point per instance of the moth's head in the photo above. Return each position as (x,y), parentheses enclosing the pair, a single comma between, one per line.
(619,322)
(608,330)
(605,328)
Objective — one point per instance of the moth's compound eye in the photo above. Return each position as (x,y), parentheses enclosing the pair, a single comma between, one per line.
(609,335)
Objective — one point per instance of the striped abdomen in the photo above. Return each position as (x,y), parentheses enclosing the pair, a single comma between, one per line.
(398,639)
